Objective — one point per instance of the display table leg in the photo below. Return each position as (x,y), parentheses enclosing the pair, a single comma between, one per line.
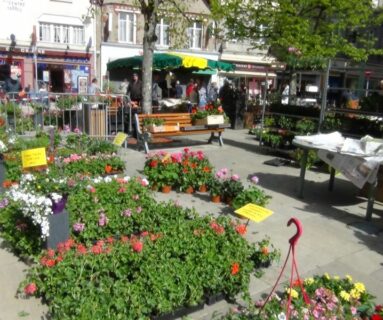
(371,199)
(303,172)
(332,178)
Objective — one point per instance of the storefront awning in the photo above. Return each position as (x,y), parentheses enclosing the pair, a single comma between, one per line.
(169,61)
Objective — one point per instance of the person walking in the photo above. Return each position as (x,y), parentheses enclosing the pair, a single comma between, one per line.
(135,94)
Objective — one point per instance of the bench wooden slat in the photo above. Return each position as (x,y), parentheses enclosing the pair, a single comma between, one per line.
(184,120)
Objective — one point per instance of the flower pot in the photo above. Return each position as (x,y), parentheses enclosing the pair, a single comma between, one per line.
(202,188)
(58,229)
(178,313)
(212,298)
(166,189)
(216,199)
(265,264)
(189,190)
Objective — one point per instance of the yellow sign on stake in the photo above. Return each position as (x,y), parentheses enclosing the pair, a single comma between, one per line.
(119,139)
(254,212)
(33,158)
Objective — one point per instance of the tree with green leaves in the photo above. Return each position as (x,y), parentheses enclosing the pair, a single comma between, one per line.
(303,33)
(153,11)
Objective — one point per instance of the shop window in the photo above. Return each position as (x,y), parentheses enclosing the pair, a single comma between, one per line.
(195,35)
(127,27)
(162,32)
(78,35)
(57,33)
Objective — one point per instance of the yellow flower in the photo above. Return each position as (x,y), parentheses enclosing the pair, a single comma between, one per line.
(336,277)
(327,276)
(359,286)
(294,293)
(355,294)
(309,281)
(345,295)
(348,277)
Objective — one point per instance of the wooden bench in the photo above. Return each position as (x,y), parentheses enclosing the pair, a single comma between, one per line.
(183,120)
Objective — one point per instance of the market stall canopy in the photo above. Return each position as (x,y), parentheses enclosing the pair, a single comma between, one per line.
(169,61)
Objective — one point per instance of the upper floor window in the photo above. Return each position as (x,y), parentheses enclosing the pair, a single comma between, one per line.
(162,33)
(60,33)
(195,35)
(127,27)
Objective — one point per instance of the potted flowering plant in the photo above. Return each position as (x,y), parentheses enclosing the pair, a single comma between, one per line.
(264,253)
(232,187)
(212,114)
(251,195)
(215,189)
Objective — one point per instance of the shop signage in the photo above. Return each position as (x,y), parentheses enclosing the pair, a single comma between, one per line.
(119,139)
(14,5)
(250,67)
(254,212)
(33,158)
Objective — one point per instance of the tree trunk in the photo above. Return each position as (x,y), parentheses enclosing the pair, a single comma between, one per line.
(150,15)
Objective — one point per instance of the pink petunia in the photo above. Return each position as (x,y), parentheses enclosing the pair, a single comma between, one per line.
(30,288)
(235,177)
(78,227)
(103,220)
(127,213)
(254,179)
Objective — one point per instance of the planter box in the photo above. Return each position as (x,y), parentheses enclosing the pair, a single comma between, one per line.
(209,120)
(179,313)
(165,128)
(58,229)
(214,298)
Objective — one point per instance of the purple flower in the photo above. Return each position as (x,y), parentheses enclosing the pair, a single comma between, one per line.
(79,227)
(138,209)
(103,220)
(4,203)
(66,128)
(235,177)
(254,179)
(127,213)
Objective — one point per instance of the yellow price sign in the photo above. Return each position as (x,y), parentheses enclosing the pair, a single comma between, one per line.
(253,212)
(119,139)
(33,158)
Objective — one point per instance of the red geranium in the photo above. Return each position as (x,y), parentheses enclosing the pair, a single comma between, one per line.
(376,317)
(153,164)
(137,246)
(108,168)
(30,288)
(234,268)
(241,229)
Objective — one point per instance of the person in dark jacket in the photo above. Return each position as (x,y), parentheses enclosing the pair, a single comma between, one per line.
(135,90)
(227,97)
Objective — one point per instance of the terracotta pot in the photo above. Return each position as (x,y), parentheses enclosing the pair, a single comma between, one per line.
(166,189)
(189,190)
(202,188)
(216,199)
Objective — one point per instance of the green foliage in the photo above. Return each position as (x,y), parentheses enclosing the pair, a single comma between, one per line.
(153,121)
(303,33)
(286,123)
(179,265)
(305,126)
(312,157)
(251,195)
(331,123)
(231,188)
(215,187)
(82,143)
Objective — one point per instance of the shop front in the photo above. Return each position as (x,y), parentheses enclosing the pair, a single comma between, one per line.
(60,71)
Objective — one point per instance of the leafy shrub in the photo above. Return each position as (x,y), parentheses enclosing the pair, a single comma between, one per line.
(251,195)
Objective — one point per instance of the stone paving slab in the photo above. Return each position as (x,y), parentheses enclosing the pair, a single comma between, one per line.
(336,237)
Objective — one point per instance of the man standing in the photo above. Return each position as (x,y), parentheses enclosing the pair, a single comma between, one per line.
(94,88)
(135,91)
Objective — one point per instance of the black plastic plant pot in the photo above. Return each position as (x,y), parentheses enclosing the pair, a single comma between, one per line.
(212,298)
(58,229)
(179,313)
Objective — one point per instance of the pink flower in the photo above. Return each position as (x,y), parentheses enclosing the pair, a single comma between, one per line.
(254,179)
(177,157)
(136,197)
(144,233)
(235,177)
(79,227)
(30,288)
(127,213)
(77,130)
(121,190)
(66,129)
(353,310)
(103,220)
(139,209)
(186,150)
(137,246)
(144,182)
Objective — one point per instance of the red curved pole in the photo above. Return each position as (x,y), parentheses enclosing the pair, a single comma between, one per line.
(294,239)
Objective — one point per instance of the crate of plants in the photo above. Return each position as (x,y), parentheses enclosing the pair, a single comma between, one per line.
(155,125)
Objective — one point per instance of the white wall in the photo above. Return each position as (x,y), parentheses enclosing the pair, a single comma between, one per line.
(19,16)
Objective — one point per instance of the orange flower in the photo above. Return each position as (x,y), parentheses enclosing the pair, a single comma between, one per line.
(234,268)
(193,165)
(241,229)
(108,168)
(206,169)
(7,184)
(265,250)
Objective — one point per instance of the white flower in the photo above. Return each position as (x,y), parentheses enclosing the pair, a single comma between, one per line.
(3,147)
(281,316)
(127,178)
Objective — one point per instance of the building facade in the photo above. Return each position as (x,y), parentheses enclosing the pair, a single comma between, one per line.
(46,41)
(120,33)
